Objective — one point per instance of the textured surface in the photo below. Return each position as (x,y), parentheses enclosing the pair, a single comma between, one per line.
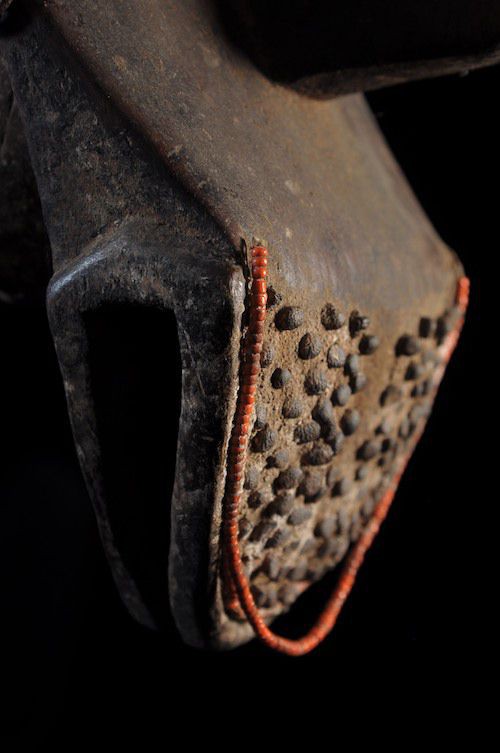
(264,161)
(239,157)
(132,240)
(328,439)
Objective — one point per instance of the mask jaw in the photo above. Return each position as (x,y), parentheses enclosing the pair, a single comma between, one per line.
(142,326)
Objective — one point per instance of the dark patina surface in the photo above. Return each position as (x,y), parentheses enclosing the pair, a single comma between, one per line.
(158,157)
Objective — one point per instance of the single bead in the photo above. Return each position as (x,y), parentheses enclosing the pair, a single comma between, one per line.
(309,546)
(280,378)
(248,390)
(278,538)
(368,506)
(307,432)
(281,505)
(368,450)
(309,346)
(255,337)
(331,318)
(292,408)
(361,473)
(280,459)
(405,429)
(289,317)
(350,421)
(273,298)
(358,382)
(252,477)
(262,530)
(323,411)
(272,567)
(320,454)
(390,395)
(332,476)
(417,390)
(426,327)
(328,548)
(256,500)
(311,486)
(266,356)
(336,443)
(264,439)
(316,382)
(426,387)
(407,345)
(299,516)
(289,478)
(388,443)
(357,323)
(259,272)
(341,394)
(335,357)
(351,364)
(244,528)
(260,416)
(298,572)
(326,527)
(414,371)
(368,344)
(385,427)
(341,487)
(344,518)
(259,299)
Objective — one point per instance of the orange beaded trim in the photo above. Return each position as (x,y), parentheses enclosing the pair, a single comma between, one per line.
(237,451)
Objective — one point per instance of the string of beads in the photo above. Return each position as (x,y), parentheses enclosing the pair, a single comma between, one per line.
(237,451)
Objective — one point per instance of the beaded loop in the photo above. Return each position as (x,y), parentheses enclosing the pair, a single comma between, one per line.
(240,596)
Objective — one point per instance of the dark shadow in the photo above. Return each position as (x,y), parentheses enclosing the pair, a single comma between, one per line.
(303,38)
(136,379)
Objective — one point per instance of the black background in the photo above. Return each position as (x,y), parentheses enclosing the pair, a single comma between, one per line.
(77,664)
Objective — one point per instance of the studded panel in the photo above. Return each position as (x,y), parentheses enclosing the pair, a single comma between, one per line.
(325,442)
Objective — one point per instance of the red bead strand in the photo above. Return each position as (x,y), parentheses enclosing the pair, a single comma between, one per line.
(238,444)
